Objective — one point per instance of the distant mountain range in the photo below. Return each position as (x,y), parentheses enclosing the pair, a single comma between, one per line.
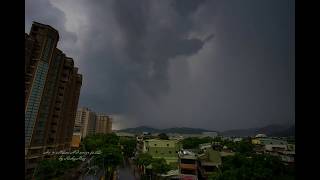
(271,130)
(181,130)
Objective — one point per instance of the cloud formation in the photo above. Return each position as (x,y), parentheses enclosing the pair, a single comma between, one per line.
(210,64)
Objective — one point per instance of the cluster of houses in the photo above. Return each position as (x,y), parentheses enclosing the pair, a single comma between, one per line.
(274,146)
(186,163)
(205,159)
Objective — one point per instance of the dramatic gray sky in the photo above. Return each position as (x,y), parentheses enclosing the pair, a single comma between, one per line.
(214,64)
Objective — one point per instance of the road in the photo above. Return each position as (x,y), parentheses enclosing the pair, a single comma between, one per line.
(126,171)
(91,177)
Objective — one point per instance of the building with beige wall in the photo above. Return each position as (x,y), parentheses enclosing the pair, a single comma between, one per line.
(103,124)
(76,140)
(85,122)
(88,122)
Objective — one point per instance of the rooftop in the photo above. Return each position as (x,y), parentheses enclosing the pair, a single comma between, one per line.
(211,156)
(184,154)
(46,26)
(161,143)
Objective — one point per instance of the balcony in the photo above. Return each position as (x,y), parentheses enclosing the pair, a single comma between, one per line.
(50,140)
(54,128)
(55,116)
(54,123)
(32,66)
(64,80)
(28,74)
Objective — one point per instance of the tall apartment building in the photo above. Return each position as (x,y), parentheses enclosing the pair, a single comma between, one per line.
(52,89)
(77,123)
(87,120)
(103,124)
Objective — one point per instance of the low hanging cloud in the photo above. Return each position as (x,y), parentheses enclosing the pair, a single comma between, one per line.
(210,64)
(151,40)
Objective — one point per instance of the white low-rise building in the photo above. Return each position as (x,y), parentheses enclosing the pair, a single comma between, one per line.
(237,139)
(276,147)
(261,136)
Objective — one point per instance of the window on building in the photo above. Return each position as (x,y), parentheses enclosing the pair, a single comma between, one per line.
(187,161)
(47,49)
(188,171)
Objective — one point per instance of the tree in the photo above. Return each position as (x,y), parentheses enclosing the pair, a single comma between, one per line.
(244,147)
(144,159)
(97,141)
(111,154)
(258,167)
(128,147)
(163,136)
(193,142)
(217,139)
(109,159)
(51,168)
(160,166)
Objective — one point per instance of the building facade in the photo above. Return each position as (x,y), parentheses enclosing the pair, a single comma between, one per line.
(188,166)
(52,89)
(77,123)
(167,149)
(76,140)
(86,122)
(266,141)
(103,124)
(209,162)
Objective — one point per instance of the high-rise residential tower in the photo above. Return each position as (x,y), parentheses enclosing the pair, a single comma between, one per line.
(87,120)
(52,89)
(103,124)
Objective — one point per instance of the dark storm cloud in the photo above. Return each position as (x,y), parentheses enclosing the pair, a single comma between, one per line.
(247,72)
(44,12)
(186,7)
(210,64)
(150,45)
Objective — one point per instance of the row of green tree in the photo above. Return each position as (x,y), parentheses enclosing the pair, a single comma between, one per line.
(243,146)
(159,165)
(255,167)
(53,168)
(194,142)
(113,150)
